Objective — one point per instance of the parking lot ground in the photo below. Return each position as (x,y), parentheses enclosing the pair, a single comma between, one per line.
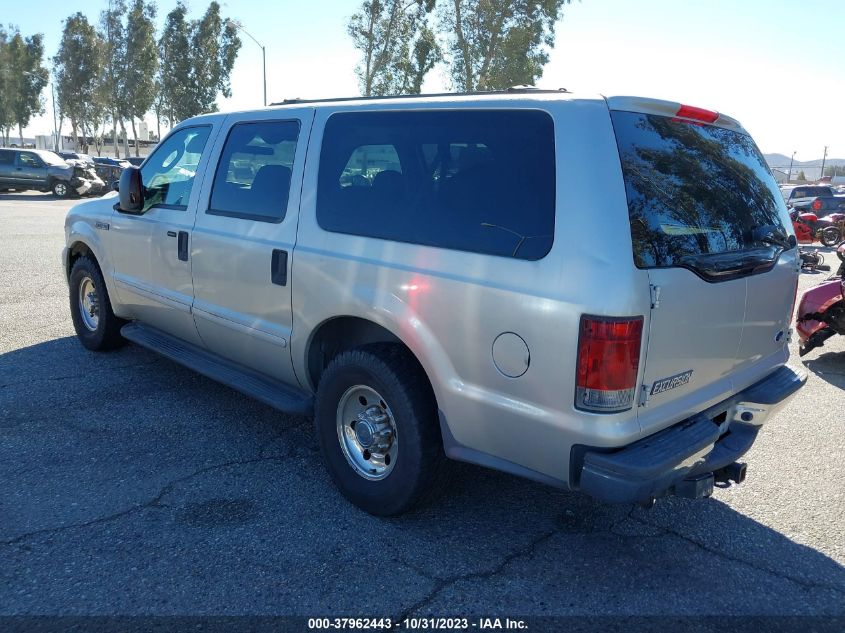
(133,486)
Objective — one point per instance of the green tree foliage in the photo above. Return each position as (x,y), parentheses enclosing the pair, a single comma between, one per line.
(7,117)
(113,36)
(834,170)
(801,177)
(24,77)
(197,58)
(139,85)
(396,44)
(78,72)
(494,44)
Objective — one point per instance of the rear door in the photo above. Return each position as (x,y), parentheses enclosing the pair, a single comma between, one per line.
(710,226)
(244,237)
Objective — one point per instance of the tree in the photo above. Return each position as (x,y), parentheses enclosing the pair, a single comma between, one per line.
(7,117)
(801,177)
(494,44)
(396,44)
(139,86)
(27,78)
(834,170)
(78,70)
(197,58)
(112,33)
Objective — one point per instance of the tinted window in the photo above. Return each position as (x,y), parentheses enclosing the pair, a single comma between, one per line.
(253,175)
(30,160)
(810,192)
(7,158)
(695,190)
(168,175)
(479,181)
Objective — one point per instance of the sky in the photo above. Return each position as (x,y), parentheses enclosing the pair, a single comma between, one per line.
(775,65)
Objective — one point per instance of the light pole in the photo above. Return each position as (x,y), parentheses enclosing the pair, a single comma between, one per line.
(824,158)
(55,122)
(241,28)
(791,160)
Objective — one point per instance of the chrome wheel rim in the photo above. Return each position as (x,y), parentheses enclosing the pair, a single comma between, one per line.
(61,189)
(366,430)
(89,304)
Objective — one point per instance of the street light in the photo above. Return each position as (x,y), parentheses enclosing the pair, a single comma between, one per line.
(241,28)
(789,175)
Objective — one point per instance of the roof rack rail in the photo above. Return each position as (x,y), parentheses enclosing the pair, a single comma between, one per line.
(511,90)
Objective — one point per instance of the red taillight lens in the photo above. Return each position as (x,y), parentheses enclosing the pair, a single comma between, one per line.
(817,205)
(697,114)
(608,360)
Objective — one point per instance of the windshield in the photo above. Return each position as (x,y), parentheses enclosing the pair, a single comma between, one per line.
(51,159)
(697,191)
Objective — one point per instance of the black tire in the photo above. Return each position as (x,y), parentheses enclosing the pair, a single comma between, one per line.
(831,236)
(397,376)
(106,334)
(60,189)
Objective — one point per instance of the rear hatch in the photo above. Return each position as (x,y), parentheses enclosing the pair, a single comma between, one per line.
(710,226)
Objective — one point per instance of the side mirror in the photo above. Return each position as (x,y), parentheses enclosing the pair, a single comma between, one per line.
(115,185)
(131,191)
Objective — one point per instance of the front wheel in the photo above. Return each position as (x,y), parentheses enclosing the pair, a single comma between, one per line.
(96,325)
(831,236)
(61,189)
(377,425)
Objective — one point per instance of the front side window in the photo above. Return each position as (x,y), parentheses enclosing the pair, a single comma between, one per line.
(481,181)
(30,160)
(254,173)
(7,158)
(168,174)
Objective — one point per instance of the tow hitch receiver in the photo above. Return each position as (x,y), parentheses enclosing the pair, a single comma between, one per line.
(695,487)
(731,473)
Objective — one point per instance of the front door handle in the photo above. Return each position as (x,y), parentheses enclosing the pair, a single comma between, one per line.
(183,246)
(279,267)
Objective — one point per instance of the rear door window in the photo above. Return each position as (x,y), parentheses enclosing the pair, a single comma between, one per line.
(254,173)
(481,181)
(699,197)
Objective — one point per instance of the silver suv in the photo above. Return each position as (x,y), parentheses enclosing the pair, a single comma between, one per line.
(591,292)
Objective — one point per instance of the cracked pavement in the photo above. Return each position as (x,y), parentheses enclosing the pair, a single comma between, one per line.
(133,486)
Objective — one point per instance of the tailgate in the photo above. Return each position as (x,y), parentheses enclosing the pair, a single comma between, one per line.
(711,228)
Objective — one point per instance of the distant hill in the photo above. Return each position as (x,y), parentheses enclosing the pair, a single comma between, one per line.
(779,160)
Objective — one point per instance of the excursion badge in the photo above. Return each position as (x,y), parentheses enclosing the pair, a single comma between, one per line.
(665,384)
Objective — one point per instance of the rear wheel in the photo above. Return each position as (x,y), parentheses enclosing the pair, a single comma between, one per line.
(60,189)
(377,425)
(831,236)
(96,325)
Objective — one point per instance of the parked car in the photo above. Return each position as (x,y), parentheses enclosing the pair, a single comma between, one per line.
(806,193)
(113,162)
(45,171)
(136,160)
(444,305)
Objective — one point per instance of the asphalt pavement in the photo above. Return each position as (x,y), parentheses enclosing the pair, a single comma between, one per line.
(133,486)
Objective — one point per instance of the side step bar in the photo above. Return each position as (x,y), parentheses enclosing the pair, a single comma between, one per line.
(269,391)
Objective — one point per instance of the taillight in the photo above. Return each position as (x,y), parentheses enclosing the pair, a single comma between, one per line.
(608,360)
(697,114)
(817,205)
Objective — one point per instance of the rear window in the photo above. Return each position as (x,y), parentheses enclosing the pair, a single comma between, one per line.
(810,192)
(696,192)
(481,181)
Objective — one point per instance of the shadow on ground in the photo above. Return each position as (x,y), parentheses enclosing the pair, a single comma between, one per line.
(134,486)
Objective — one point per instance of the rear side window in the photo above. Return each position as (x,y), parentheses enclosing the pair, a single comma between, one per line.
(696,191)
(481,181)
(254,173)
(168,174)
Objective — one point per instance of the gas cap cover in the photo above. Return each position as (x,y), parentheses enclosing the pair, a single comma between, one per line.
(511,355)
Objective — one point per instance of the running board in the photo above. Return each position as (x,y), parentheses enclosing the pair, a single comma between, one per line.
(269,391)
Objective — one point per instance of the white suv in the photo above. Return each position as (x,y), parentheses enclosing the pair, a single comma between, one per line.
(590,292)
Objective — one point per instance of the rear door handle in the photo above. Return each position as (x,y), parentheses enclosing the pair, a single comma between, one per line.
(279,267)
(183,246)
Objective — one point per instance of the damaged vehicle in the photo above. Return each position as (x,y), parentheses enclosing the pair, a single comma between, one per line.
(41,170)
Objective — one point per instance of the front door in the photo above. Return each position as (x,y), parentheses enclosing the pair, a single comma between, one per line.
(244,237)
(31,170)
(152,268)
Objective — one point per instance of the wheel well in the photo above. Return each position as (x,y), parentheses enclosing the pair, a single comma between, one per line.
(79,249)
(340,334)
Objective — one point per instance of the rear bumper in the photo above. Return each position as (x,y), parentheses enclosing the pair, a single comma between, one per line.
(677,459)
